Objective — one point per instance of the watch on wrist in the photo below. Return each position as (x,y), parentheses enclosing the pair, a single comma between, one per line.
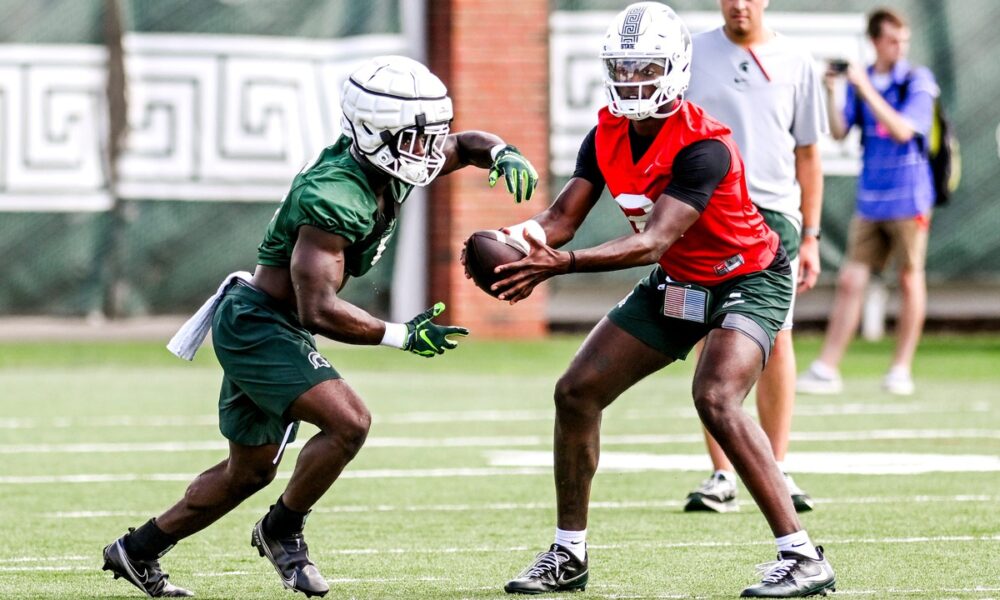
(811,232)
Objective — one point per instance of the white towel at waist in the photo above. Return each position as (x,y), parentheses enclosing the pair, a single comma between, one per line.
(191,335)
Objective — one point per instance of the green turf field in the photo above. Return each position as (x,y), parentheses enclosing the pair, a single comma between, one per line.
(453,494)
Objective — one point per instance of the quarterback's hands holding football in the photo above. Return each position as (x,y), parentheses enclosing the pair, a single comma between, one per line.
(426,338)
(520,177)
(522,276)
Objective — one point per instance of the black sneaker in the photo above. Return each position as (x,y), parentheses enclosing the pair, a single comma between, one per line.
(143,574)
(793,576)
(717,493)
(555,570)
(290,558)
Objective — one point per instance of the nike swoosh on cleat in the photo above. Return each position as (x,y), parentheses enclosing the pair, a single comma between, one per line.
(562,581)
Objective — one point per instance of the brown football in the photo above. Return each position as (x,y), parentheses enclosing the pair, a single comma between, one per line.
(485,251)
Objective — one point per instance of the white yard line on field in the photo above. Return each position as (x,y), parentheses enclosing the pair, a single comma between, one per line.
(508,463)
(27,568)
(850,463)
(29,559)
(969,590)
(486,416)
(523,506)
(504,442)
(358,474)
(639,544)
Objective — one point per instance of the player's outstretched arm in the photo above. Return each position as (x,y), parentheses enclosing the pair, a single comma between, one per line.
(317,272)
(487,151)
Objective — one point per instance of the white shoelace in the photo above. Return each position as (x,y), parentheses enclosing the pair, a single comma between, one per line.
(774,571)
(545,561)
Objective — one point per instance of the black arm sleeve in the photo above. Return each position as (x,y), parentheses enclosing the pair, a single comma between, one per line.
(697,171)
(586,161)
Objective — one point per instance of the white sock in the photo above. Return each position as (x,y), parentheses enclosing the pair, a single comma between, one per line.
(574,541)
(727,475)
(797,542)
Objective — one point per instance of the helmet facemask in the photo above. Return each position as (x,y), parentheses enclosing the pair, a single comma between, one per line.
(412,154)
(635,86)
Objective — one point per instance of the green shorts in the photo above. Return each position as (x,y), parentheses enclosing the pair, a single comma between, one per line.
(791,239)
(754,304)
(269,360)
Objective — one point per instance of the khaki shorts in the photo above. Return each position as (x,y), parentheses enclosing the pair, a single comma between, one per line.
(873,243)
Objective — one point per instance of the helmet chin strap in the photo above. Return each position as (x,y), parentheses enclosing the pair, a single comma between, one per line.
(371,170)
(675,106)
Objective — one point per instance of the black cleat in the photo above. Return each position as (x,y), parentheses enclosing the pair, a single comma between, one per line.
(143,574)
(290,558)
(555,570)
(793,576)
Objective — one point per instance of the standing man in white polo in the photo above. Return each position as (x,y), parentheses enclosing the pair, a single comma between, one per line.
(765,88)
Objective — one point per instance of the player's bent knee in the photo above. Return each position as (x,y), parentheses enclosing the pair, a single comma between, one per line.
(571,398)
(355,431)
(715,405)
(252,479)
(348,429)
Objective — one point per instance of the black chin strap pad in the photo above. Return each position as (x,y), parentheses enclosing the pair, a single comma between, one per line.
(389,140)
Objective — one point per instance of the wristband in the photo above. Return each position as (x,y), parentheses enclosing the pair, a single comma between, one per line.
(395,335)
(572,262)
(811,232)
(530,226)
(496,150)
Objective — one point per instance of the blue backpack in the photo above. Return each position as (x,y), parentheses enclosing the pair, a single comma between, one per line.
(941,148)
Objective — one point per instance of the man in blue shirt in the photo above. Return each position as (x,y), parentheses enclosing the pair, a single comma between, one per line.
(893,103)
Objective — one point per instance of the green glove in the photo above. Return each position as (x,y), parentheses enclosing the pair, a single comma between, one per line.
(426,338)
(521,177)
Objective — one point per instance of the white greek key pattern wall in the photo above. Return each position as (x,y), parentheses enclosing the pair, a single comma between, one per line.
(576,78)
(210,117)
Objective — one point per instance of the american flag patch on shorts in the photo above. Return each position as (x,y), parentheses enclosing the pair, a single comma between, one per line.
(685,302)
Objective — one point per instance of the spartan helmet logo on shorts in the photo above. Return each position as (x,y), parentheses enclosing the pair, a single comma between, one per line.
(398,114)
(318,361)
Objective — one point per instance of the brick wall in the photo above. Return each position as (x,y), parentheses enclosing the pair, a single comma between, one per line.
(494,60)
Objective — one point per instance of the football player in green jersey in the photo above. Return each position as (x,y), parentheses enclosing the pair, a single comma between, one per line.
(334,223)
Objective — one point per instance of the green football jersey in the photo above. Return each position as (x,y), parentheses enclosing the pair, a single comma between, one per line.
(334,195)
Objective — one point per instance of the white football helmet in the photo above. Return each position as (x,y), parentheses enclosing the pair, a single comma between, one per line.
(647,59)
(398,114)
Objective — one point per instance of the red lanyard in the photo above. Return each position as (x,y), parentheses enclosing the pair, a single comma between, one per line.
(759,64)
